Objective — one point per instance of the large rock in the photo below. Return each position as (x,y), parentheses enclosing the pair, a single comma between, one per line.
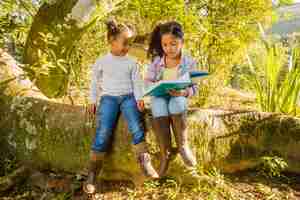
(58,136)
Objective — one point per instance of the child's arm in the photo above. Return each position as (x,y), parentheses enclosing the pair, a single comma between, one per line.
(151,73)
(138,86)
(95,88)
(179,93)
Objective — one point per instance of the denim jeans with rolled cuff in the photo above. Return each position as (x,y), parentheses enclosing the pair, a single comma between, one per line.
(107,116)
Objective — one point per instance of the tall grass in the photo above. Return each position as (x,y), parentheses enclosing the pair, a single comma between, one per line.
(276,80)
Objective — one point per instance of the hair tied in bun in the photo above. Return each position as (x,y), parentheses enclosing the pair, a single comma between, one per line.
(112,25)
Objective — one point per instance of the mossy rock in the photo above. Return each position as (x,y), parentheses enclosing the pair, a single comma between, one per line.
(58,137)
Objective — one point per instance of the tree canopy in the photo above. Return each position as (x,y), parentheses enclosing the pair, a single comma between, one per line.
(59,49)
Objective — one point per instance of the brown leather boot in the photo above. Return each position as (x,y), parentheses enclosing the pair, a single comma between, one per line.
(161,126)
(179,125)
(144,160)
(95,166)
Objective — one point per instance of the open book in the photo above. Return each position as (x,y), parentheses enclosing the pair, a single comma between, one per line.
(161,88)
(198,74)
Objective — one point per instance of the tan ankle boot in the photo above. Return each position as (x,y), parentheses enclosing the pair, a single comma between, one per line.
(144,160)
(179,125)
(161,126)
(95,166)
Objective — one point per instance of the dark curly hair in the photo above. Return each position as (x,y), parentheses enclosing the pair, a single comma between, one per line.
(114,29)
(155,48)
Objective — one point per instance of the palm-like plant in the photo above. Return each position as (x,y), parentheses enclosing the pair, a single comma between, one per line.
(277,86)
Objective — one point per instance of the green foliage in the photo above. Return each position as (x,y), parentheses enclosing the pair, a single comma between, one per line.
(57,59)
(277,87)
(8,165)
(221,38)
(63,196)
(52,51)
(272,166)
(56,52)
(215,30)
(229,28)
(15,20)
(153,11)
(286,2)
(216,33)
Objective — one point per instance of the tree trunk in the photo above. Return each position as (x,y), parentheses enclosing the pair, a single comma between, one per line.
(53,40)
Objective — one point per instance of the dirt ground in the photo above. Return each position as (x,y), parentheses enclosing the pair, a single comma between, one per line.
(243,186)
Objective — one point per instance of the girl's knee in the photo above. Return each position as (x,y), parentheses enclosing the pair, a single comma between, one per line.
(159,107)
(101,140)
(138,137)
(136,128)
(178,105)
(99,146)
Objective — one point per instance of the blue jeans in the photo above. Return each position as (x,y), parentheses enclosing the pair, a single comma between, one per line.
(107,115)
(168,105)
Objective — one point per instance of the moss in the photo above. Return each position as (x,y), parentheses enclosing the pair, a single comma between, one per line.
(64,150)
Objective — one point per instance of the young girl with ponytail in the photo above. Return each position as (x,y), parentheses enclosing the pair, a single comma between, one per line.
(170,63)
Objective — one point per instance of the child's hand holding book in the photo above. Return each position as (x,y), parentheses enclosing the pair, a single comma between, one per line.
(91,109)
(141,105)
(178,93)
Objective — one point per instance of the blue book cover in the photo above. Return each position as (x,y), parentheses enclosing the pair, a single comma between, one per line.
(198,74)
(161,88)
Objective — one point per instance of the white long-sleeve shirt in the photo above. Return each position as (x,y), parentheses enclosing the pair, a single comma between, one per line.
(115,75)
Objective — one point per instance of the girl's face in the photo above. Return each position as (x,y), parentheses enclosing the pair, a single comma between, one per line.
(171,45)
(120,45)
